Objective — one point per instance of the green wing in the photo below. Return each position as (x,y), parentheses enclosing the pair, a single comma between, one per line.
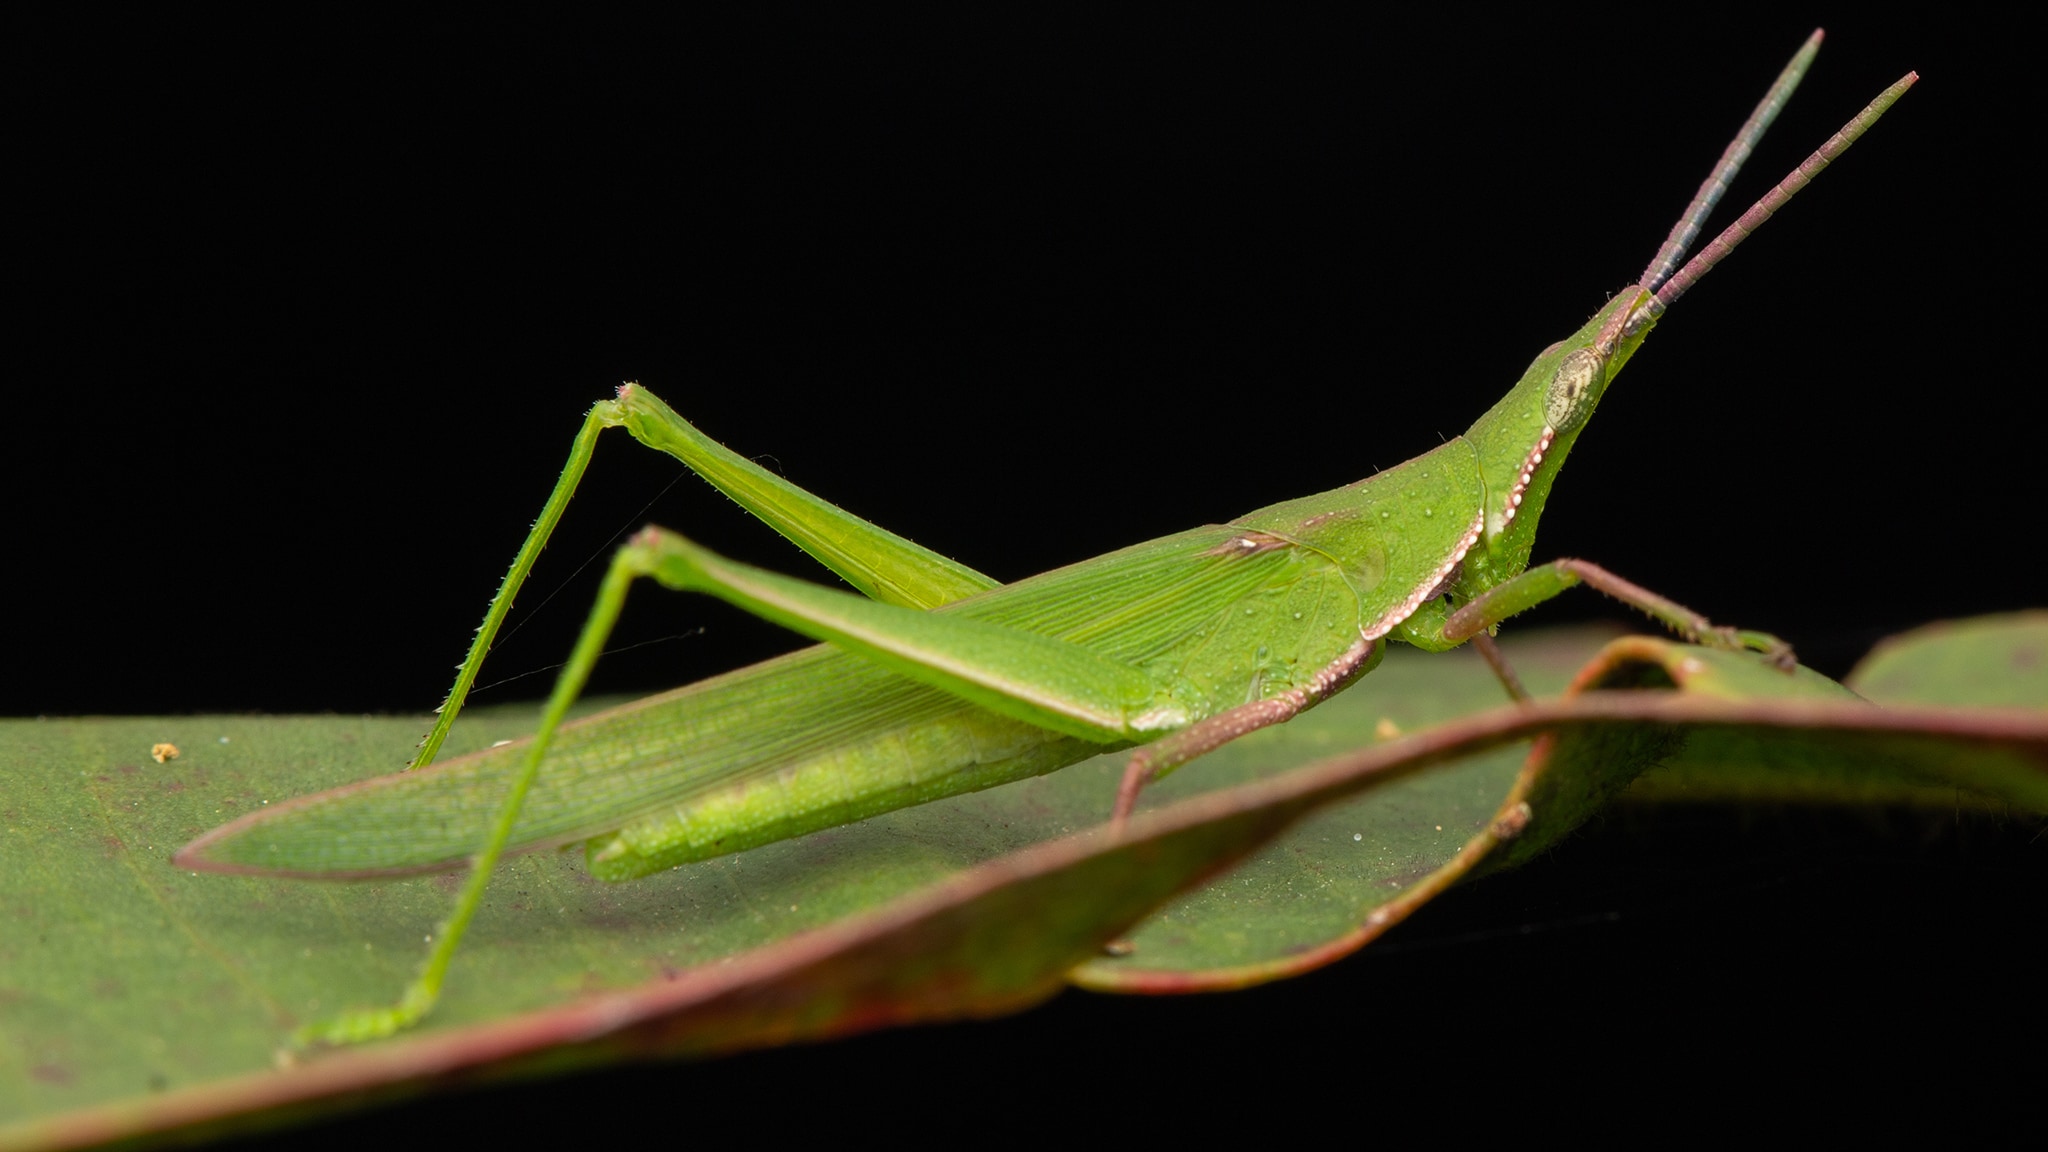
(1221,615)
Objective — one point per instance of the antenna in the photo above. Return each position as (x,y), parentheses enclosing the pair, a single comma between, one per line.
(1775,199)
(1687,229)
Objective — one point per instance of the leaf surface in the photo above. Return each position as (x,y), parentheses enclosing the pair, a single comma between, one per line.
(137,998)
(1985,662)
(1993,666)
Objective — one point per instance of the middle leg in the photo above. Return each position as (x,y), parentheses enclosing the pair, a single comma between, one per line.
(1541,583)
(1156,759)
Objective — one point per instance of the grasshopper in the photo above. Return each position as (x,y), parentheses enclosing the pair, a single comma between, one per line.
(934,680)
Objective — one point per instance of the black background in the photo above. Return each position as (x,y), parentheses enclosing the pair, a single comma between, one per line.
(308,307)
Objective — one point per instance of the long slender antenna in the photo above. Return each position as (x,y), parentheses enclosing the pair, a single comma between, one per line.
(1687,229)
(1775,199)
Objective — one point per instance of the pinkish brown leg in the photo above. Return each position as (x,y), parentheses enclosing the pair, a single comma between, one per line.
(1547,580)
(1501,667)
(1204,736)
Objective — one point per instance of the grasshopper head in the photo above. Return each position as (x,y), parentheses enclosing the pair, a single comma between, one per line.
(1574,389)
(1522,440)
(1584,368)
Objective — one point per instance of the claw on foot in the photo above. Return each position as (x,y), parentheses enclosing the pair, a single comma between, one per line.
(1778,653)
(1775,651)
(350,1028)
(365,1024)
(1781,656)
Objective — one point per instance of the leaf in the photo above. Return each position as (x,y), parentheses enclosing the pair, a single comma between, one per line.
(138,998)
(196,978)
(1986,662)
(128,978)
(1300,901)
(1990,662)
(1736,727)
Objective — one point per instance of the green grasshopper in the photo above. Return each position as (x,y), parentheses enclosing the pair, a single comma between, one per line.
(936,680)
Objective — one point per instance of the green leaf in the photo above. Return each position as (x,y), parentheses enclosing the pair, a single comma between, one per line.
(1737,728)
(1990,662)
(132,978)
(1308,897)
(137,998)
(1986,662)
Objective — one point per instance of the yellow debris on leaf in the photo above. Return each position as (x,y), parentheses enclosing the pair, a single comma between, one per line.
(163,752)
(1386,729)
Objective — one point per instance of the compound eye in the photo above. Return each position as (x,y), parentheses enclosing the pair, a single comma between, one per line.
(1571,390)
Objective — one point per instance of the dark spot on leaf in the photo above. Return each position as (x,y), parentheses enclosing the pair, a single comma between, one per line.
(51,1073)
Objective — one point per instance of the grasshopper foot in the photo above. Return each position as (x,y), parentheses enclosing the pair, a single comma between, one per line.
(365,1024)
(1778,653)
